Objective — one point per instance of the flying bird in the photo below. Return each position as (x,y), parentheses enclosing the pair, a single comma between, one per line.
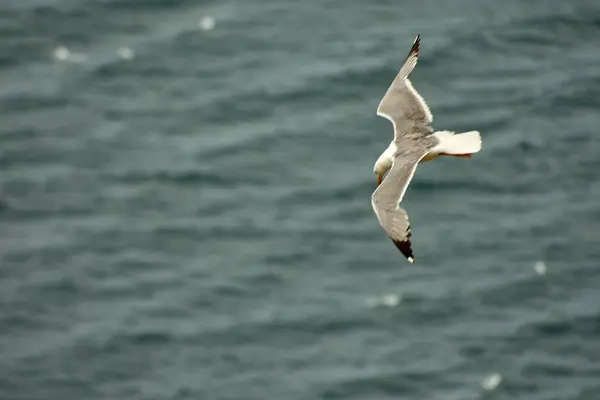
(414,142)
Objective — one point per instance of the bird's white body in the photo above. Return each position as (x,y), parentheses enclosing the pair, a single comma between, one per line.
(450,144)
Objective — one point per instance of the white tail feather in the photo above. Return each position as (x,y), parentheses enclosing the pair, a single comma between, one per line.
(460,143)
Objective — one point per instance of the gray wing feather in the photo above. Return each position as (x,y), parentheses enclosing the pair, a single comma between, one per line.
(386,198)
(402,104)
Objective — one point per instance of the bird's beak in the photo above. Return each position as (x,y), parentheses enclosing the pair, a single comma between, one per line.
(379,179)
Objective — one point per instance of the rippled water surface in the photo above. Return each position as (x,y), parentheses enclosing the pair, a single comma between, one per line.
(185,201)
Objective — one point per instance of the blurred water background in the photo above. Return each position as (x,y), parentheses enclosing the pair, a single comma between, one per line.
(185,201)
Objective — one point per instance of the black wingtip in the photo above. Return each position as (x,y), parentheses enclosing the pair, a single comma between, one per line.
(415,47)
(406,249)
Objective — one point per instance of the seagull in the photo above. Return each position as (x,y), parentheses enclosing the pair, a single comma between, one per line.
(414,142)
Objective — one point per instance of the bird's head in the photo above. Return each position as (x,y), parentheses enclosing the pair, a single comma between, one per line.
(382,166)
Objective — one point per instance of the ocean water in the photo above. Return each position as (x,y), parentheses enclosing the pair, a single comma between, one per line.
(185,201)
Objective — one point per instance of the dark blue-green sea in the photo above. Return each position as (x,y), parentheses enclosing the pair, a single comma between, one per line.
(185,201)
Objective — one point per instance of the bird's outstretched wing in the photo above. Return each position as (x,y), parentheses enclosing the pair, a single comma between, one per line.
(402,104)
(386,198)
